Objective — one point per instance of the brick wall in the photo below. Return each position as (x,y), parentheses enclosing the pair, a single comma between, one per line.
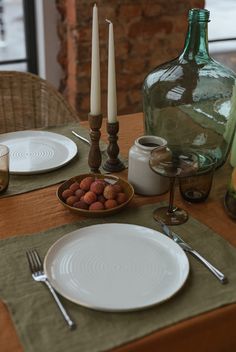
(147,33)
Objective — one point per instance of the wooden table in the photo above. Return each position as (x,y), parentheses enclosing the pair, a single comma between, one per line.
(213,331)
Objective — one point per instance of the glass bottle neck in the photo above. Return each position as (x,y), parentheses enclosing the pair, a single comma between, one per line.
(196,42)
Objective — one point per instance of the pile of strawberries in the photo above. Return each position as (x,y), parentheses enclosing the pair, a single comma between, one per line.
(94,194)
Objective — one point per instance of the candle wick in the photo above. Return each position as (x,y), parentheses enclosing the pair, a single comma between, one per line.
(108,21)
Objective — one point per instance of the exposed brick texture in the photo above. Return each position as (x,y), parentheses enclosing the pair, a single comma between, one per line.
(147,33)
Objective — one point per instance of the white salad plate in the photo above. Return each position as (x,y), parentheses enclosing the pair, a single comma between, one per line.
(116,267)
(34,152)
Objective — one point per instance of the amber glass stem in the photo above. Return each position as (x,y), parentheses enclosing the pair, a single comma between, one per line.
(172,193)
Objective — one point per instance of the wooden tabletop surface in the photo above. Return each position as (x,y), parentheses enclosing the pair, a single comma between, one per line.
(40,210)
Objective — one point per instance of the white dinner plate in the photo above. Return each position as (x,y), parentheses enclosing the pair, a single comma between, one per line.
(116,267)
(34,152)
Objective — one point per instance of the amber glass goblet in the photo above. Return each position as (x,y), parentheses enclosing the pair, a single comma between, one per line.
(174,164)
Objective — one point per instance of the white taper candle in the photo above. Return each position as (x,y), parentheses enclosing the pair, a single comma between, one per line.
(111,87)
(95,92)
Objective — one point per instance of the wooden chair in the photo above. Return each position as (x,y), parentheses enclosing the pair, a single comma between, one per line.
(27,102)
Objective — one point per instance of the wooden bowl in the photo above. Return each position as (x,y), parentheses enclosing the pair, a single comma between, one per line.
(126,186)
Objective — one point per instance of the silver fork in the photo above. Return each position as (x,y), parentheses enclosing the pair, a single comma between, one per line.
(36,267)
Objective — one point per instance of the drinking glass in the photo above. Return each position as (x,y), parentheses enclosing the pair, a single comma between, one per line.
(4,168)
(230,196)
(196,189)
(177,163)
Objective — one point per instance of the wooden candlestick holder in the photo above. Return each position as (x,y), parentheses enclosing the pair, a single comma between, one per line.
(94,157)
(113,163)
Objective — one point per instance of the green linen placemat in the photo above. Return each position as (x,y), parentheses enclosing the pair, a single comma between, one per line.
(79,165)
(39,322)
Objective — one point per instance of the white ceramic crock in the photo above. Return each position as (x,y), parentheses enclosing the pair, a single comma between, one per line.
(143,179)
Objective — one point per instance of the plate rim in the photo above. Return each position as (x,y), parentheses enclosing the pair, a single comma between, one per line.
(105,309)
(73,148)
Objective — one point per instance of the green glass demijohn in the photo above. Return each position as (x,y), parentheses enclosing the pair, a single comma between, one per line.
(188,101)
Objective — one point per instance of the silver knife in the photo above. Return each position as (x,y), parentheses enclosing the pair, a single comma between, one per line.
(103,148)
(81,137)
(187,248)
